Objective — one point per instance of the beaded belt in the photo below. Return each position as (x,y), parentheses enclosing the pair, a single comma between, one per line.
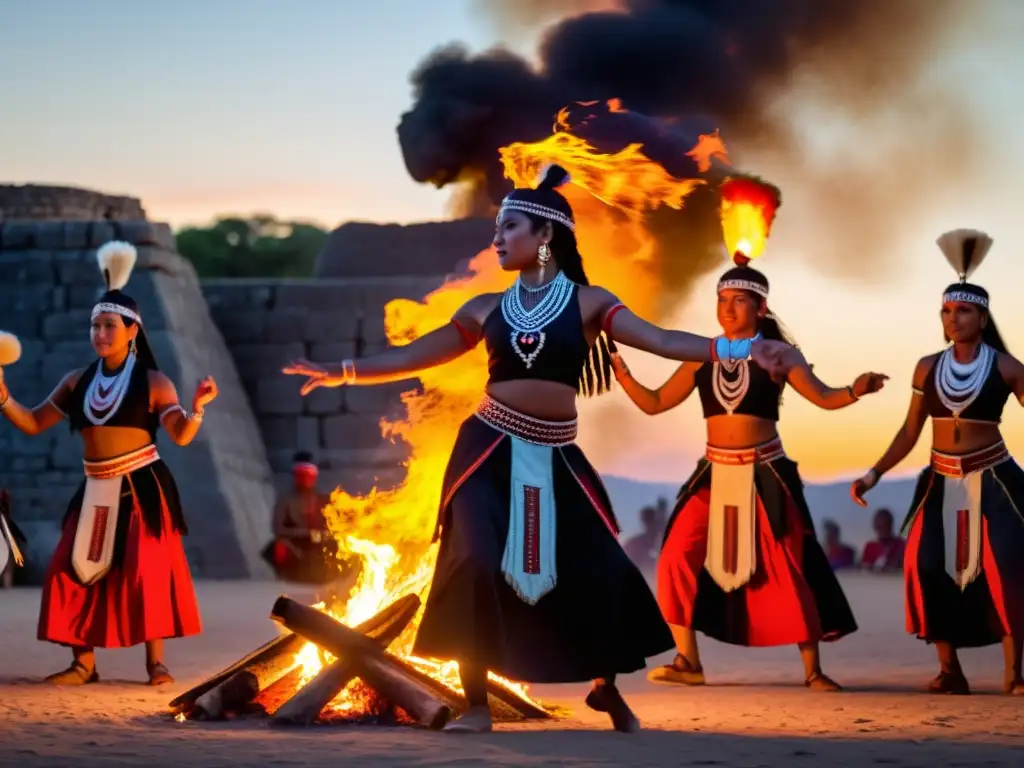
(123,464)
(526,428)
(759,454)
(961,466)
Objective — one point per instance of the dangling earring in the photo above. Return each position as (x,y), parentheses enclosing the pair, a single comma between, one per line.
(543,257)
(131,347)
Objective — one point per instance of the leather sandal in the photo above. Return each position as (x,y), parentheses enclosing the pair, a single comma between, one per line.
(680,672)
(158,674)
(76,674)
(819,681)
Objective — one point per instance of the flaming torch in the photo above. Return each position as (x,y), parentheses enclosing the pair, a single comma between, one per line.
(747,210)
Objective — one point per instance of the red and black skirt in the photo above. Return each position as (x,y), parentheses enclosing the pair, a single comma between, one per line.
(148,593)
(964,567)
(596,617)
(792,596)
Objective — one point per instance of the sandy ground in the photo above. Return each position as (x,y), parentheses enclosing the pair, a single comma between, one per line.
(754,712)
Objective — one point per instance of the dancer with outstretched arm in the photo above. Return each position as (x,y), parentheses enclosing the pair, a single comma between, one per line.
(964,560)
(740,560)
(530,581)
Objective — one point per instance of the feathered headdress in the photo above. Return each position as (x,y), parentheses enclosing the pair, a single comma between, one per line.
(116,261)
(965,249)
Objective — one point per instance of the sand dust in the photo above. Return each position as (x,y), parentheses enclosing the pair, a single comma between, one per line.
(754,712)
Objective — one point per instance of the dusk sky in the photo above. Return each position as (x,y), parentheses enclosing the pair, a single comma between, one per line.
(204,107)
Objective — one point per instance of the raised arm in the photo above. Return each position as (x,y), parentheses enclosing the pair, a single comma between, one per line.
(52,410)
(620,324)
(814,390)
(461,334)
(180,427)
(679,386)
(904,441)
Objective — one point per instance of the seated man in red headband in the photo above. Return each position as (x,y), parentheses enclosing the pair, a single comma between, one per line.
(302,549)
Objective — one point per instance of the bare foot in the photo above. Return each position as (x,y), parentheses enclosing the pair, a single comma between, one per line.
(950,682)
(474,720)
(1015,687)
(606,698)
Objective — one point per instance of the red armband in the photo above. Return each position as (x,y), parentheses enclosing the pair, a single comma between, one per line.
(606,324)
(468,337)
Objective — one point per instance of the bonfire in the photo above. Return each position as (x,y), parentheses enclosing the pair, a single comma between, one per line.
(351,659)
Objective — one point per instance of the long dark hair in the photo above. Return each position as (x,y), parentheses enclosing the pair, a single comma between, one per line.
(596,377)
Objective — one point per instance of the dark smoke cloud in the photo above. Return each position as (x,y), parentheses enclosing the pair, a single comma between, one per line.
(683,67)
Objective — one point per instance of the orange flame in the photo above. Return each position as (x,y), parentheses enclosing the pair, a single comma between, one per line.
(390,530)
(747,210)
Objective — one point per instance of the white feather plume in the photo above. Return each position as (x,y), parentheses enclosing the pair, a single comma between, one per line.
(116,260)
(10,348)
(964,249)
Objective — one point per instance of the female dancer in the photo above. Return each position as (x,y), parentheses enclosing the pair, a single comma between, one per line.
(740,561)
(119,576)
(513,591)
(964,559)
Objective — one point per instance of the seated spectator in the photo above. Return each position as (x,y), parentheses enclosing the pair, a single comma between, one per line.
(643,548)
(302,549)
(885,553)
(839,555)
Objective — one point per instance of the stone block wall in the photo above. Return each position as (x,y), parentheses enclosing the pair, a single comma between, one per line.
(50,284)
(267,323)
(21,202)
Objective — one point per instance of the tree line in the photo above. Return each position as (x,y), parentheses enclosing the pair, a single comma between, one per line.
(258,246)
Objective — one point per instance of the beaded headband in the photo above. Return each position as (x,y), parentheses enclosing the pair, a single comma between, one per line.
(117,309)
(525,206)
(743,285)
(965,296)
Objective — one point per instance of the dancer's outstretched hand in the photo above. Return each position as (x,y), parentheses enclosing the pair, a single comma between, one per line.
(775,357)
(868,383)
(862,485)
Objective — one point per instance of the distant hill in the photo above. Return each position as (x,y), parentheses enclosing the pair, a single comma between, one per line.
(827,500)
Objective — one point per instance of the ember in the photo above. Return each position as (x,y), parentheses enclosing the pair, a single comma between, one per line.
(343,672)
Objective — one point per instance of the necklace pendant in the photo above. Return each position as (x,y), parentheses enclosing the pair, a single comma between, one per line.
(532,341)
(956,429)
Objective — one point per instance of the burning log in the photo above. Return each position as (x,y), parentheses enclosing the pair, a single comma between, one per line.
(372,663)
(240,683)
(287,645)
(304,706)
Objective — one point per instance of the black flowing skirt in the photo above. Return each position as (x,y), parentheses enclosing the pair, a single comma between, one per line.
(991,606)
(738,617)
(601,617)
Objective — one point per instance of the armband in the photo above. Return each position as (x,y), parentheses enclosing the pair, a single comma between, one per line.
(606,323)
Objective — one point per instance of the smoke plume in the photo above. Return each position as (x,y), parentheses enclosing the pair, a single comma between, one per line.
(770,74)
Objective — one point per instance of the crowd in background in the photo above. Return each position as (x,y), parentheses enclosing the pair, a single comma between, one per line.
(884,553)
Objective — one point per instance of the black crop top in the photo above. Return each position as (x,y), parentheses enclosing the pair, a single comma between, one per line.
(987,406)
(134,410)
(761,399)
(559,349)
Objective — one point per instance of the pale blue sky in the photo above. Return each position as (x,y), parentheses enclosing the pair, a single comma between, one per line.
(198,105)
(201,107)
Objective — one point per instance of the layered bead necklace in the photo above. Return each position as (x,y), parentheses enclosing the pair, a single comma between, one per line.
(959,384)
(106,393)
(730,381)
(527,324)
